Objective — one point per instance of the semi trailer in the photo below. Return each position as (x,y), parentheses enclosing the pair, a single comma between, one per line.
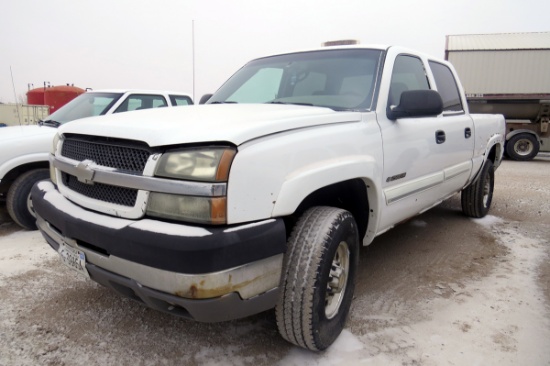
(508,74)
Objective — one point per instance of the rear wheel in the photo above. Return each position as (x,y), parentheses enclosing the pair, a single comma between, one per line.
(19,202)
(318,278)
(477,197)
(524,146)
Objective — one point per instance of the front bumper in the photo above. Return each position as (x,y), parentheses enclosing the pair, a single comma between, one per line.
(207,274)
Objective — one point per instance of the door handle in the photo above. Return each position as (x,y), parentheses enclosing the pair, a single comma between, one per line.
(467,132)
(440,136)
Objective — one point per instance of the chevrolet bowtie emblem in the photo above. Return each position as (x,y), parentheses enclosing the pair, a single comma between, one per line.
(84,172)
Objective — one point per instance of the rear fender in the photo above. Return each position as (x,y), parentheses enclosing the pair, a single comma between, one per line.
(494,151)
(513,133)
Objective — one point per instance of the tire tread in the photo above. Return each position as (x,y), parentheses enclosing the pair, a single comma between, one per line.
(294,308)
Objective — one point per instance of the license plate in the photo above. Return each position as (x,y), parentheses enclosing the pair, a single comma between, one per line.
(73,258)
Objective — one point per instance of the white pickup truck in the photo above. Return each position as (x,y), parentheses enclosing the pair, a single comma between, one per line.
(261,198)
(24,150)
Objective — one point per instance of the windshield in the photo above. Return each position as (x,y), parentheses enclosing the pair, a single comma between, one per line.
(85,105)
(341,79)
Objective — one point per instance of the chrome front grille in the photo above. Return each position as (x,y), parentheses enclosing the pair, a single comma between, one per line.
(122,157)
(126,156)
(102,192)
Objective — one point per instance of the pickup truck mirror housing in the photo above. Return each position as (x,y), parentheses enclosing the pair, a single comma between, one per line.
(205,98)
(416,103)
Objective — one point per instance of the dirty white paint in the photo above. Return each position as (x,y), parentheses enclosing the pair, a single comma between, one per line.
(170,229)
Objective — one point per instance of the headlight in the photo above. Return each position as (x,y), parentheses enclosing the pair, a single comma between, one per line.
(202,210)
(206,165)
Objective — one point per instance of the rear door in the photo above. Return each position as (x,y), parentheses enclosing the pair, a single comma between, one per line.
(425,159)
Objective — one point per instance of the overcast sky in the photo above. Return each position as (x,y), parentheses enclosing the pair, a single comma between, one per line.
(103,44)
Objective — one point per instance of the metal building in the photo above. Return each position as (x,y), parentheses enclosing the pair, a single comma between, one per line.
(22,114)
(505,63)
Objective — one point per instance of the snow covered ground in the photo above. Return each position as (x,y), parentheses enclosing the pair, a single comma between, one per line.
(441,289)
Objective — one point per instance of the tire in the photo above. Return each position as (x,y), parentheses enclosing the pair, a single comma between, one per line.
(322,255)
(476,198)
(18,201)
(524,146)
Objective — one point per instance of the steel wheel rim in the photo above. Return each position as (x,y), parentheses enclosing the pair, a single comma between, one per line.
(30,207)
(337,280)
(523,147)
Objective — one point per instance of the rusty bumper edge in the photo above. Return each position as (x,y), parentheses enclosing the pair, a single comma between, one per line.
(223,308)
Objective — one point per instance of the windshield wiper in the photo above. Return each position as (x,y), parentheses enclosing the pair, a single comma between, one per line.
(223,102)
(291,103)
(49,123)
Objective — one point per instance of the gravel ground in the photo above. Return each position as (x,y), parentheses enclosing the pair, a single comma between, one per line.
(441,289)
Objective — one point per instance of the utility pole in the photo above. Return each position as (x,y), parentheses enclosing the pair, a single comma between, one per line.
(193,52)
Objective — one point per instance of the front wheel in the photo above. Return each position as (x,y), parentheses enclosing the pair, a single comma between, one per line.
(524,146)
(477,197)
(19,202)
(318,278)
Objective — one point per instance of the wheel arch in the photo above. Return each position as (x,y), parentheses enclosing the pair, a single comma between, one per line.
(495,154)
(350,195)
(15,171)
(495,151)
(513,133)
(334,183)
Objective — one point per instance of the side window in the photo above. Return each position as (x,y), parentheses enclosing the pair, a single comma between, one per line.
(260,88)
(408,74)
(446,86)
(101,105)
(157,101)
(180,100)
(141,101)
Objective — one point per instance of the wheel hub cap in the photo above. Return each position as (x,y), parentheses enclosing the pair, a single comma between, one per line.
(523,147)
(337,280)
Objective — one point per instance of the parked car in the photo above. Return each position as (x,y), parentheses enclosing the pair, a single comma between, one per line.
(24,150)
(261,198)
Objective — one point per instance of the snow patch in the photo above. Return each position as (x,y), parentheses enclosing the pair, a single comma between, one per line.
(64,205)
(248,226)
(487,221)
(344,351)
(419,223)
(170,229)
(497,320)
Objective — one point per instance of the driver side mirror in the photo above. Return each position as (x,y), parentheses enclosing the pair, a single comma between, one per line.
(416,103)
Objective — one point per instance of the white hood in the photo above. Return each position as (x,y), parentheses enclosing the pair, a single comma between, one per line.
(235,123)
(16,133)
(19,141)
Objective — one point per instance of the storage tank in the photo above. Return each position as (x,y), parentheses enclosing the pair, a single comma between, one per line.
(35,96)
(58,96)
